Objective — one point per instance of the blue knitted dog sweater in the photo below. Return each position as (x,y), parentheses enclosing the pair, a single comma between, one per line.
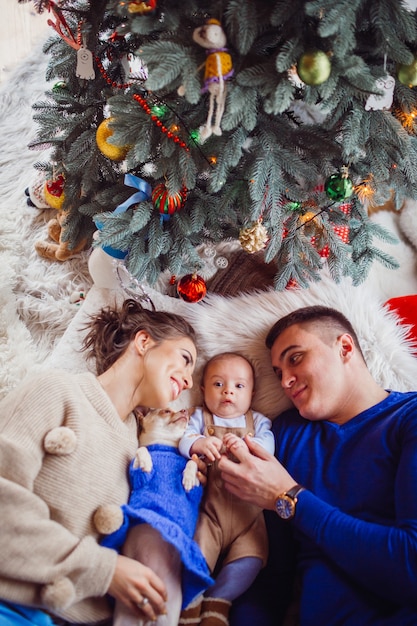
(158,498)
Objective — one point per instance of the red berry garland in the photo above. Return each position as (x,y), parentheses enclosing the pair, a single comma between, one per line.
(107,78)
(145,106)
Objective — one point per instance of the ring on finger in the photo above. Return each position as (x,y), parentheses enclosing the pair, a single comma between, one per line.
(143,603)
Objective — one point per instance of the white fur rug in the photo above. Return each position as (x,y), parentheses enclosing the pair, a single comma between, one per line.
(40,326)
(241,323)
(35,306)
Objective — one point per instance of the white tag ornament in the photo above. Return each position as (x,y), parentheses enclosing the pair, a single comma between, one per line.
(85,67)
(382,102)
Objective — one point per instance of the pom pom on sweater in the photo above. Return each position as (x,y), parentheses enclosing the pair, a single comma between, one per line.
(58,595)
(108,518)
(60,441)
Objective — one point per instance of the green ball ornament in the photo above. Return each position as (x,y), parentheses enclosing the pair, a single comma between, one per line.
(293,205)
(338,187)
(314,67)
(160,110)
(61,85)
(407,74)
(195,136)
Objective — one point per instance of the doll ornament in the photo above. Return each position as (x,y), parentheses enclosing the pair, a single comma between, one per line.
(218,69)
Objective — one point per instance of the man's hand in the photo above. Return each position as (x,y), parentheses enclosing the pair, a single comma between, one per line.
(258,477)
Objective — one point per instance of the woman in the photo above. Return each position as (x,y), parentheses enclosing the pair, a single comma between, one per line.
(66,441)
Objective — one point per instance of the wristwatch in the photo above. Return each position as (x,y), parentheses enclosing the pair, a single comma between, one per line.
(285,503)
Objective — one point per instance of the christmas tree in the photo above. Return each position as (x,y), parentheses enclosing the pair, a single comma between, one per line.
(276,123)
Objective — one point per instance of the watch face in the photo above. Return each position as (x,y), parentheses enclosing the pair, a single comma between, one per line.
(285,507)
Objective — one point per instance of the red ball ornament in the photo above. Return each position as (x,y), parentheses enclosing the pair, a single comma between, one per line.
(167,203)
(191,288)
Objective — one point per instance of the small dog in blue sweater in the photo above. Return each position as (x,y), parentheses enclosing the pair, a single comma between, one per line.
(160,518)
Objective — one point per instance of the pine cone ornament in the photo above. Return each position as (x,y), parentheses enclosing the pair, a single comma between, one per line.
(253,238)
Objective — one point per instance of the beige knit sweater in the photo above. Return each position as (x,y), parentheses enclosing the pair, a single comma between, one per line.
(63,452)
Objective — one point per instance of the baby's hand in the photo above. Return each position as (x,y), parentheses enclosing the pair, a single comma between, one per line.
(207,446)
(231,443)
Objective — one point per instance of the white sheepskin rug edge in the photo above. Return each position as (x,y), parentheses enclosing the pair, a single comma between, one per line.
(241,323)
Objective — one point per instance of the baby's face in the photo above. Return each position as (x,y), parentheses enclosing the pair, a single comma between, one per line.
(228,387)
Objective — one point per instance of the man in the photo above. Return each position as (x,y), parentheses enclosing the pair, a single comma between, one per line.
(343,482)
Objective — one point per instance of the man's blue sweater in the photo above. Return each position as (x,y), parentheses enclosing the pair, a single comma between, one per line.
(353,539)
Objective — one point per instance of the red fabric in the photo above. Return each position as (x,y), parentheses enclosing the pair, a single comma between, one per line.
(406,309)
(341,231)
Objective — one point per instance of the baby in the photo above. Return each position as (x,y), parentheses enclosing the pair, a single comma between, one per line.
(227,526)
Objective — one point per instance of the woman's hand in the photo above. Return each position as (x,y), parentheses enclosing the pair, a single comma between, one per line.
(257,477)
(132,583)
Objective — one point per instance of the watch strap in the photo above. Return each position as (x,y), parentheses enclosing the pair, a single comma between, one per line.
(294,491)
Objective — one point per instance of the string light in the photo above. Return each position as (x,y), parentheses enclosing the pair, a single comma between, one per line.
(365,190)
(407,119)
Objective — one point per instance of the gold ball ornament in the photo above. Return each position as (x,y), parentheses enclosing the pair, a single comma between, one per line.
(407,74)
(141,7)
(311,225)
(307,217)
(110,150)
(254,238)
(314,67)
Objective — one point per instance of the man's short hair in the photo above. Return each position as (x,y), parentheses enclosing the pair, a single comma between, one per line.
(313,315)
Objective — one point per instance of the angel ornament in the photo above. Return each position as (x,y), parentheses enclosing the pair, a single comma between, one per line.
(218,69)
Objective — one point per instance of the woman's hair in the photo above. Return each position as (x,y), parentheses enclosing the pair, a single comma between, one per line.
(112,330)
(317,315)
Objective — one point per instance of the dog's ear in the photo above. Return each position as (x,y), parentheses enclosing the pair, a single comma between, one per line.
(140,412)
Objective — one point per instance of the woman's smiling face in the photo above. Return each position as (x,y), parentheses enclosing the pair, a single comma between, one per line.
(167,371)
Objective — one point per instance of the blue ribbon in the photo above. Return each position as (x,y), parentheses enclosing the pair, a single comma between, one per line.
(144,193)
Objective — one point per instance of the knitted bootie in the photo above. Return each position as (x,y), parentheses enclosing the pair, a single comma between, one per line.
(215,612)
(191,615)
